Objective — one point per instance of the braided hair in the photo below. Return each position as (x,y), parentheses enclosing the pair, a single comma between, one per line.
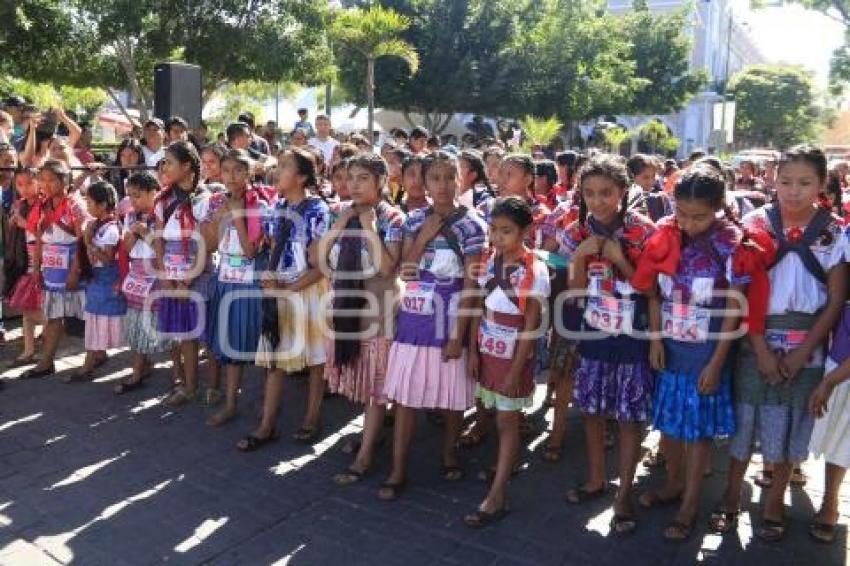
(611,167)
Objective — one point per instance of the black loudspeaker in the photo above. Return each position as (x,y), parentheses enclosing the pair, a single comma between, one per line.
(177,92)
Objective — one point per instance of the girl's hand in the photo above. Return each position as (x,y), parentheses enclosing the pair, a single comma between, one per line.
(345,217)
(819,398)
(591,246)
(656,355)
(709,379)
(431,227)
(512,383)
(369,220)
(452,350)
(768,365)
(473,363)
(140,229)
(73,280)
(612,250)
(792,362)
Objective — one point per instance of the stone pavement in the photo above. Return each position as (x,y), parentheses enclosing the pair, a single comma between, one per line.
(90,478)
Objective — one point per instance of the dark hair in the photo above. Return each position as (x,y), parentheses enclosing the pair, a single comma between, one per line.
(419,132)
(58,169)
(102,192)
(546,168)
(568,158)
(305,161)
(373,163)
(476,163)
(711,162)
(31,171)
(638,163)
(812,156)
(185,152)
(399,152)
(302,110)
(400,133)
(215,149)
(525,163)
(491,151)
(612,167)
(347,150)
(410,160)
(144,181)
(240,156)
(515,209)
(301,131)
(132,144)
(434,141)
(704,183)
(246,117)
(176,121)
(436,157)
(696,154)
(235,129)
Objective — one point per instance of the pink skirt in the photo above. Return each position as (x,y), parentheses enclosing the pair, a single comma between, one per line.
(364,382)
(104,332)
(418,377)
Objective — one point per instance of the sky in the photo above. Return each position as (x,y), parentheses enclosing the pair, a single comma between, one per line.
(792,34)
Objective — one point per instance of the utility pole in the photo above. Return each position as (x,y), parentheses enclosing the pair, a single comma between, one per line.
(726,79)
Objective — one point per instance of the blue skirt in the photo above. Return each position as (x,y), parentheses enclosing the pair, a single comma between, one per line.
(682,413)
(234,324)
(185,319)
(103,292)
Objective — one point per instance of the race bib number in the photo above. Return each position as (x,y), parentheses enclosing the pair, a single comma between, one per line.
(685,323)
(236,269)
(177,266)
(418,298)
(610,315)
(497,340)
(137,285)
(783,341)
(55,257)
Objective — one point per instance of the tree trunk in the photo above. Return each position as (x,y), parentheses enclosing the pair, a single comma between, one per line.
(124,51)
(370,96)
(121,107)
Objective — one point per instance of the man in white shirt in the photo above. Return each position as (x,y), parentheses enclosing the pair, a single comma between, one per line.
(154,133)
(323,140)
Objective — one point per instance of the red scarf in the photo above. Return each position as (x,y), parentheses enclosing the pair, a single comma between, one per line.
(527,262)
(43,215)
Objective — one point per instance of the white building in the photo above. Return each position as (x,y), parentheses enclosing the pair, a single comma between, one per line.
(721,46)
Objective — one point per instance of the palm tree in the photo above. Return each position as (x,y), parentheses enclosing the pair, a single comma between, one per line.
(374,32)
(540,131)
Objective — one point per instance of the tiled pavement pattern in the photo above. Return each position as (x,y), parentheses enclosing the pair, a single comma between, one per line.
(93,479)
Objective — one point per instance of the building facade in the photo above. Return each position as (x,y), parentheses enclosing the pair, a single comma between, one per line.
(722,46)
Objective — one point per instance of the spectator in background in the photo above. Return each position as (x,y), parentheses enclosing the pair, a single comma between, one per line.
(298,138)
(323,140)
(258,144)
(154,135)
(200,136)
(304,124)
(361,143)
(14,105)
(176,129)
(433,144)
(418,140)
(128,157)
(239,137)
(7,127)
(271,134)
(400,137)
(83,150)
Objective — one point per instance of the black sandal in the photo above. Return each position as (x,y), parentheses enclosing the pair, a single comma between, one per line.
(623,524)
(765,479)
(579,495)
(722,521)
(253,443)
(391,491)
(822,532)
(305,435)
(481,518)
(771,531)
(452,473)
(36,373)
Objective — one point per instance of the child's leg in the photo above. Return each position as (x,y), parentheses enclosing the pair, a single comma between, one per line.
(233,373)
(178,373)
(594,434)
(403,429)
(563,395)
(53,332)
(482,422)
(271,403)
(315,395)
(29,335)
(507,423)
(630,435)
(214,374)
(373,424)
(833,478)
(189,354)
(734,483)
(774,505)
(697,455)
(452,423)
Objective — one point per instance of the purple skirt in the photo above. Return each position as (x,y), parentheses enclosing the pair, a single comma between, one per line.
(619,391)
(185,319)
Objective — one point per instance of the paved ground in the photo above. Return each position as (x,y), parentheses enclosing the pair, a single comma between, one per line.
(90,478)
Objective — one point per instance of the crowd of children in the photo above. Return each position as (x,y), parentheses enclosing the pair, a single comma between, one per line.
(441,280)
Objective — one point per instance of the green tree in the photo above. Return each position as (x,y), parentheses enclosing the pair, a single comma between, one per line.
(116,43)
(661,50)
(374,32)
(774,105)
(540,131)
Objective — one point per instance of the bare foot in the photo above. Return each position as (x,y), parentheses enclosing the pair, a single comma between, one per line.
(222,417)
